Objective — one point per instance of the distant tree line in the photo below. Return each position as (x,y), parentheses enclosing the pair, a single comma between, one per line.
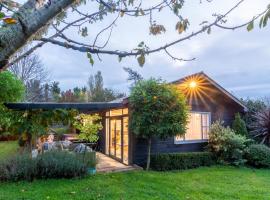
(38,88)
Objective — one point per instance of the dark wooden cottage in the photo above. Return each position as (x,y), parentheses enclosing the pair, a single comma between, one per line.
(208,103)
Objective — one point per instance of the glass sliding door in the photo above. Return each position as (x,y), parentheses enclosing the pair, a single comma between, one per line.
(125,140)
(117,135)
(112,138)
(118,139)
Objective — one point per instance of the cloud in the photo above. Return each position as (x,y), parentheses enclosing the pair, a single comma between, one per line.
(238,60)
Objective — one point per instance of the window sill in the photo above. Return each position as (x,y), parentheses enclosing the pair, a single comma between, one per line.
(190,142)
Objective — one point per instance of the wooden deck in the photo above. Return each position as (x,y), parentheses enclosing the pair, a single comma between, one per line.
(107,165)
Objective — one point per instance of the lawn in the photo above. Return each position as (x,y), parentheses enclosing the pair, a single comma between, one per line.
(208,183)
(204,183)
(8,148)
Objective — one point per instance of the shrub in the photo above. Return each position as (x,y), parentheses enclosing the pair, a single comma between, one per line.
(19,167)
(54,164)
(258,155)
(181,161)
(59,164)
(227,146)
(239,125)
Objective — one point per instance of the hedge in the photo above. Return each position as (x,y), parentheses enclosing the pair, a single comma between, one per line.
(181,161)
(258,155)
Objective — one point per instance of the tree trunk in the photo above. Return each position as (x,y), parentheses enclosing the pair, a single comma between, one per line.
(29,21)
(149,154)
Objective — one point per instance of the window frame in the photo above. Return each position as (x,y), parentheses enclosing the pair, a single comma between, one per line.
(200,140)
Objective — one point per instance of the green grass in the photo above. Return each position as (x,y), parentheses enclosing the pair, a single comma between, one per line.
(210,183)
(7,149)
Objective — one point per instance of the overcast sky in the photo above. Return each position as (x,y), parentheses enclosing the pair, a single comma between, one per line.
(238,60)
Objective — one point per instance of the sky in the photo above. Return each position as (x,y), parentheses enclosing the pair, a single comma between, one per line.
(238,60)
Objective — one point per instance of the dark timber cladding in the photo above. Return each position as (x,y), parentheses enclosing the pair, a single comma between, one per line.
(51,106)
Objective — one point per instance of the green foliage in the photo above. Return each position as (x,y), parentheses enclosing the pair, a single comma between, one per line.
(90,57)
(6,119)
(32,123)
(181,161)
(158,110)
(12,89)
(228,146)
(89,126)
(54,164)
(239,125)
(258,155)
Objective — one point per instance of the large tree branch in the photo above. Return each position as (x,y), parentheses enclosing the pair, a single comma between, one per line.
(29,21)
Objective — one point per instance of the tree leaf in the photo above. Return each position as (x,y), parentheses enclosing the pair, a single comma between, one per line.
(84,31)
(120,58)
(141,60)
(209,30)
(2,15)
(91,60)
(250,26)
(10,20)
(261,21)
(142,12)
(122,13)
(265,19)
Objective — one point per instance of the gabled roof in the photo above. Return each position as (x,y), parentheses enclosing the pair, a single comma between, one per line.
(214,83)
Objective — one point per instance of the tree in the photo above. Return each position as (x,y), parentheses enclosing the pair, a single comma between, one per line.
(75,95)
(133,76)
(29,68)
(34,91)
(97,92)
(89,126)
(158,110)
(12,89)
(239,125)
(32,19)
(55,91)
(253,106)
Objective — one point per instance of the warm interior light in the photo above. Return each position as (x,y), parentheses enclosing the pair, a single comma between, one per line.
(193,84)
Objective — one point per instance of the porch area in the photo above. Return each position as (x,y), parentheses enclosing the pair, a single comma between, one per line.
(106,165)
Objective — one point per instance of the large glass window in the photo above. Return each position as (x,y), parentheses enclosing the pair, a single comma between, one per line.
(198,128)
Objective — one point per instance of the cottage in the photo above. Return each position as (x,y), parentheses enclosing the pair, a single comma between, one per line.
(208,102)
